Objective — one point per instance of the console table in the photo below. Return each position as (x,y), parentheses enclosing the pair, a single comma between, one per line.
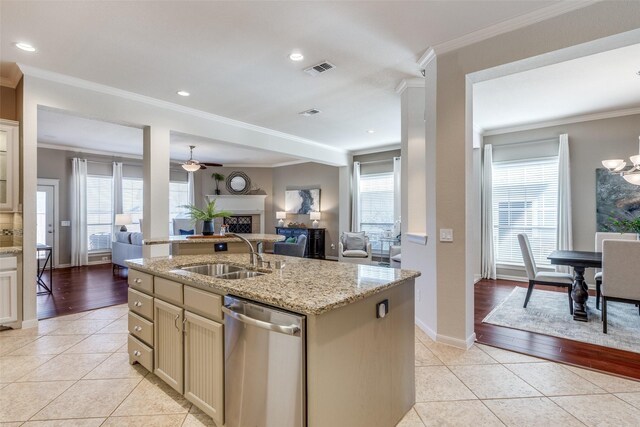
(315,239)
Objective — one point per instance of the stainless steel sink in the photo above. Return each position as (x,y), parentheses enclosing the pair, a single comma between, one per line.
(212,269)
(242,274)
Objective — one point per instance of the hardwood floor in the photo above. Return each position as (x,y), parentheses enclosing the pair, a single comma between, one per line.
(78,289)
(489,293)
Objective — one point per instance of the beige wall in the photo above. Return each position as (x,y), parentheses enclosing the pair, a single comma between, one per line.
(453,143)
(8,108)
(311,175)
(589,143)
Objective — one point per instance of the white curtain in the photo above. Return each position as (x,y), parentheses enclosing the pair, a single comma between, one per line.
(355,201)
(397,195)
(79,241)
(565,234)
(191,189)
(116,202)
(488,250)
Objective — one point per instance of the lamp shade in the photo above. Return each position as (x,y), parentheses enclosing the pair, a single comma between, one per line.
(123,219)
(614,164)
(314,215)
(190,167)
(281,215)
(632,178)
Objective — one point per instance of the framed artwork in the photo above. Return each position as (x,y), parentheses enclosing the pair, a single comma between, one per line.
(302,201)
(615,198)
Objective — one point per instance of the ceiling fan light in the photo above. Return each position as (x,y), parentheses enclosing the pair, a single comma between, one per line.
(632,178)
(190,167)
(614,164)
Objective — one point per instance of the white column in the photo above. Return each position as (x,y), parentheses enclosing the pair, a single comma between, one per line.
(155,218)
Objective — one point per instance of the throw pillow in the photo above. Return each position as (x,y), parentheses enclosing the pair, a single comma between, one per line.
(187,232)
(291,240)
(355,241)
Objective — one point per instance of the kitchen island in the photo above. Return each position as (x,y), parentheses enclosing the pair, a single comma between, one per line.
(193,245)
(358,335)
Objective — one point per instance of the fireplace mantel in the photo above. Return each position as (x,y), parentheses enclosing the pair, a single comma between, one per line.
(250,204)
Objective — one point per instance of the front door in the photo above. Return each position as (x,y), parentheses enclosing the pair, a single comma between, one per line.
(45,229)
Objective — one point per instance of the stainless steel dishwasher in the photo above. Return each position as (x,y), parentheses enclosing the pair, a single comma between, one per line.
(265,373)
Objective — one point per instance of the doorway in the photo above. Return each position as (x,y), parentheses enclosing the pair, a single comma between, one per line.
(46,219)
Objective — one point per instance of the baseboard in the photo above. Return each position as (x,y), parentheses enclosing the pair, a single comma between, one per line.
(456,342)
(476,278)
(427,330)
(31,323)
(62,266)
(99,262)
(512,278)
(332,258)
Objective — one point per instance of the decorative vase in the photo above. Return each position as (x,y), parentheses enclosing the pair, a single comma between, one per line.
(207,228)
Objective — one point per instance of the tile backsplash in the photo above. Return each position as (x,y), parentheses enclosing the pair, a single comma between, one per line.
(10,229)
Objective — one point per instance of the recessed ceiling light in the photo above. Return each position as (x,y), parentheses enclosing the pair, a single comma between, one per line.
(26,47)
(183,93)
(371,131)
(296,55)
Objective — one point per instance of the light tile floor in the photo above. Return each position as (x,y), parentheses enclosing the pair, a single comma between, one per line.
(74,371)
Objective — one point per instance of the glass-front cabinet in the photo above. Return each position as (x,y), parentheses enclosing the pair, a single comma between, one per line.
(9,167)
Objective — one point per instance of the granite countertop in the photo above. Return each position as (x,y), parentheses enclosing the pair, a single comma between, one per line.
(304,285)
(11,250)
(227,239)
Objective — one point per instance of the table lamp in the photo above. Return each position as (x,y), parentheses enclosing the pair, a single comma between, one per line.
(281,216)
(123,220)
(315,216)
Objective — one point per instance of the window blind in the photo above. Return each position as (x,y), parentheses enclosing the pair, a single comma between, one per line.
(99,212)
(525,200)
(178,197)
(376,204)
(132,201)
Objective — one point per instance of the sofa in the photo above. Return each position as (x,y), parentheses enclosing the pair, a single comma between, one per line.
(291,249)
(128,245)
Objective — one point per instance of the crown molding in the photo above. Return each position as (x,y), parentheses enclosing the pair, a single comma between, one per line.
(564,121)
(379,149)
(428,56)
(407,83)
(108,90)
(511,25)
(12,80)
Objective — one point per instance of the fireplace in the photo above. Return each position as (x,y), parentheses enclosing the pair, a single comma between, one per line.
(239,224)
(250,205)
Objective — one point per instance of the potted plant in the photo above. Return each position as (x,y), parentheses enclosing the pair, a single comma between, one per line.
(218,177)
(206,215)
(625,225)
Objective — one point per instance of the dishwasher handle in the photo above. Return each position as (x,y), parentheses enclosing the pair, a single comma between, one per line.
(283,329)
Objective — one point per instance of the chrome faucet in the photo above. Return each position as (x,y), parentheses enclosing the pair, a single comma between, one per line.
(253,255)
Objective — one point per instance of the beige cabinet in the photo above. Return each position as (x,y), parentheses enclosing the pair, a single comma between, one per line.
(204,365)
(9,167)
(8,290)
(168,344)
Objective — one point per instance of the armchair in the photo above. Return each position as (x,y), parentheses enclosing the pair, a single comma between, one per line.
(395,257)
(347,252)
(291,249)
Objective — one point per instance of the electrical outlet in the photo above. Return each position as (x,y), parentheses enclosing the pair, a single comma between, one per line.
(65,223)
(446,235)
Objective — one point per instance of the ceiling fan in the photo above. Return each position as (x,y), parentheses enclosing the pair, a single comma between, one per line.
(193,165)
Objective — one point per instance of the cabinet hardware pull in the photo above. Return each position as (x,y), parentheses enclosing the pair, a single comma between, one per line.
(137,328)
(137,304)
(175,321)
(136,353)
(138,281)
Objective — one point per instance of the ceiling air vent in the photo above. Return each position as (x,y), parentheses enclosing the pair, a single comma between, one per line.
(310,112)
(319,68)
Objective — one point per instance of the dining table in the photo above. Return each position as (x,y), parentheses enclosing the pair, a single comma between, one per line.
(579,260)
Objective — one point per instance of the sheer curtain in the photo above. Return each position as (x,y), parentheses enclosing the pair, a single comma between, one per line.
(116,202)
(355,201)
(79,242)
(396,188)
(488,251)
(191,195)
(565,234)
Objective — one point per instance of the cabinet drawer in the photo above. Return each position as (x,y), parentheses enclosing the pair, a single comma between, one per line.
(8,263)
(138,352)
(141,328)
(141,304)
(141,281)
(168,290)
(203,303)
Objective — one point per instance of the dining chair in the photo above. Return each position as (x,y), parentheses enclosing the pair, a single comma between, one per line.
(600,237)
(536,277)
(620,274)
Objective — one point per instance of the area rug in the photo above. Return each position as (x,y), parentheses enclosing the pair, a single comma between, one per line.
(548,313)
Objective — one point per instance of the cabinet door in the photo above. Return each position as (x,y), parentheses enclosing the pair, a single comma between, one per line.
(168,346)
(204,365)
(8,296)
(8,164)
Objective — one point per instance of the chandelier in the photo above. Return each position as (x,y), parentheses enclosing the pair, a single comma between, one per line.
(630,174)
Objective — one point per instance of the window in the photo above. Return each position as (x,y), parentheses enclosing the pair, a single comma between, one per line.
(99,212)
(376,205)
(132,201)
(525,199)
(178,197)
